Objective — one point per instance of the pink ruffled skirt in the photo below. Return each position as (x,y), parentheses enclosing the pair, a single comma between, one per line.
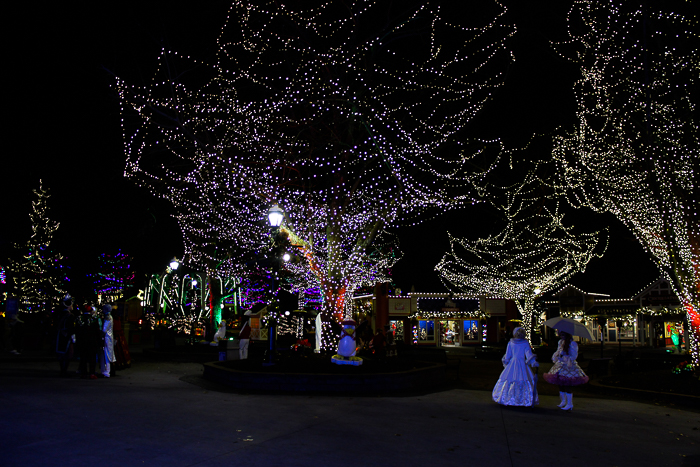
(562,374)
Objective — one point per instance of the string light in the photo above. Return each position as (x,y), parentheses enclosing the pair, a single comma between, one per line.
(40,276)
(114,277)
(347,121)
(635,148)
(535,252)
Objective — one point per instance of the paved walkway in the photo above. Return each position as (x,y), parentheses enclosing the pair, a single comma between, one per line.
(163,413)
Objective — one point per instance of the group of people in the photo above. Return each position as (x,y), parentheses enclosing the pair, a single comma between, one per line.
(517,385)
(90,336)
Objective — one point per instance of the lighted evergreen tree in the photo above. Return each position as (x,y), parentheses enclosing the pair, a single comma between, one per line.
(534,253)
(347,115)
(635,150)
(39,277)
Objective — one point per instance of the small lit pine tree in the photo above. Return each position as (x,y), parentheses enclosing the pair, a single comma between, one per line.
(635,150)
(39,277)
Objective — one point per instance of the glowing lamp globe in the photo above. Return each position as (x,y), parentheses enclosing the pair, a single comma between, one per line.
(275,216)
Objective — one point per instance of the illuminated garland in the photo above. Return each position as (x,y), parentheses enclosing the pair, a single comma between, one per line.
(40,277)
(663,311)
(344,114)
(450,314)
(635,150)
(535,253)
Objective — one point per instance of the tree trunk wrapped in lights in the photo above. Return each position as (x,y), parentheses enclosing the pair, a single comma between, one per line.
(347,115)
(635,150)
(534,254)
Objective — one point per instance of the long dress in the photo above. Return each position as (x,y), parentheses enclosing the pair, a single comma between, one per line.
(517,385)
(106,357)
(565,371)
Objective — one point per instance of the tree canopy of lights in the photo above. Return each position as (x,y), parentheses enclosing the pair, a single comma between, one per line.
(534,254)
(348,115)
(115,275)
(635,150)
(39,277)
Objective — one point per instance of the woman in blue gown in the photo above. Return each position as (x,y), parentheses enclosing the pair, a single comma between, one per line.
(517,385)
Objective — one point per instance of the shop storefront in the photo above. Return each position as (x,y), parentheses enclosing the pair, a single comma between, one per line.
(449,322)
(660,310)
(445,320)
(649,318)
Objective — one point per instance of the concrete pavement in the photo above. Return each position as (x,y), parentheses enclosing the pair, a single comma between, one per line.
(164,413)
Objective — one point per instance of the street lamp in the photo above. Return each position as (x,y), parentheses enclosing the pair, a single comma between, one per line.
(275,216)
(174,264)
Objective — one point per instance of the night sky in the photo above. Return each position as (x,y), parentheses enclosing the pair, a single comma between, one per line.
(65,129)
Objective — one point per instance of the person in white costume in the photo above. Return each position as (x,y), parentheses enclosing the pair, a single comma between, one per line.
(244,337)
(565,372)
(220,334)
(106,356)
(517,385)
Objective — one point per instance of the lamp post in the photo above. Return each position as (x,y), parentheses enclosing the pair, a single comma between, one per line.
(275,217)
(172,266)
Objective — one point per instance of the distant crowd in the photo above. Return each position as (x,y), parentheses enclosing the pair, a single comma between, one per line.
(92,335)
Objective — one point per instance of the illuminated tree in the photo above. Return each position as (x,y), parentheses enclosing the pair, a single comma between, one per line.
(115,276)
(635,150)
(347,115)
(534,254)
(40,276)
(3,281)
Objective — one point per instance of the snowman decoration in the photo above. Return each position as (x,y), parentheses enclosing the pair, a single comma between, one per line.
(347,346)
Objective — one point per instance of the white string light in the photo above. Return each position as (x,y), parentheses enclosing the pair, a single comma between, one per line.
(40,276)
(635,150)
(347,121)
(535,252)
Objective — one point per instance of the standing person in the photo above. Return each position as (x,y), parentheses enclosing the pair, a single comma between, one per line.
(517,385)
(379,344)
(14,325)
(565,373)
(65,335)
(121,348)
(244,337)
(88,340)
(106,356)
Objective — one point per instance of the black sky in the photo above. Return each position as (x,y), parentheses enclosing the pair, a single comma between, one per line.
(65,129)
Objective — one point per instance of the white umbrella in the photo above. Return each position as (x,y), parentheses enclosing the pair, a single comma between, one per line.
(571,326)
